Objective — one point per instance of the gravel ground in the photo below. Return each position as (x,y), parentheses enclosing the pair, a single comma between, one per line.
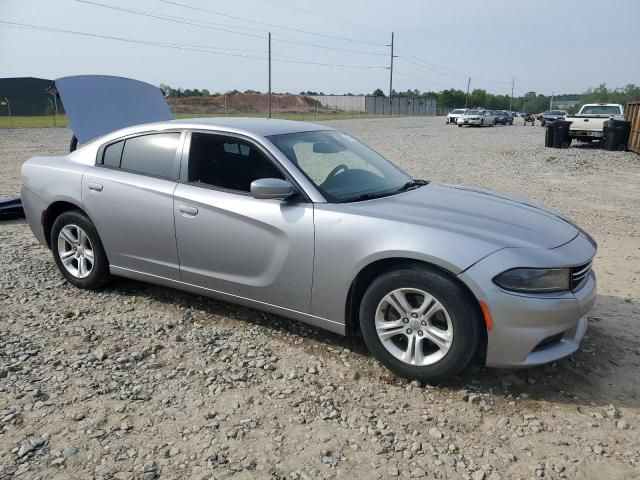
(143,382)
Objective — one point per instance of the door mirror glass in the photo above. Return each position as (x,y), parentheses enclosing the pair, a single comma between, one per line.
(271,188)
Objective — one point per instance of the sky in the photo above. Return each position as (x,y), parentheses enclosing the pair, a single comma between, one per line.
(333,46)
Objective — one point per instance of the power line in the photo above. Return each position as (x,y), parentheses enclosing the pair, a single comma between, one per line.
(192,48)
(166,18)
(122,39)
(324,47)
(421,79)
(335,19)
(427,64)
(431,69)
(190,22)
(245,19)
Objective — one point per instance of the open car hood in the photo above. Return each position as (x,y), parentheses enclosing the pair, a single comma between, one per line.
(100,104)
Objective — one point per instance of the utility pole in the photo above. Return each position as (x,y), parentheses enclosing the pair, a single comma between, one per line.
(513,81)
(466,100)
(551,104)
(269,74)
(391,76)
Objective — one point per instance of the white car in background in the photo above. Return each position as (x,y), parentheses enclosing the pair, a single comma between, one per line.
(455,114)
(477,117)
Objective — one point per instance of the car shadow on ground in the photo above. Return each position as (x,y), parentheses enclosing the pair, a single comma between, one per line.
(602,372)
(586,145)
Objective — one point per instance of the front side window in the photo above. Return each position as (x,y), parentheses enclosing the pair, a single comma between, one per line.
(227,163)
(153,154)
(342,168)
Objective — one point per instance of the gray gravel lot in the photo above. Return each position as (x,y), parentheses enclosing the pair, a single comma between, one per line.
(142,382)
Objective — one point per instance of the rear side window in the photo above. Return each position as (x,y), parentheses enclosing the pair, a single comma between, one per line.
(153,154)
(112,154)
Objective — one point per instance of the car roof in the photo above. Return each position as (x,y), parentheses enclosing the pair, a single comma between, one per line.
(254,126)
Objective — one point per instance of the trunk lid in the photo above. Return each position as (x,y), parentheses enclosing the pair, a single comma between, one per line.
(99,104)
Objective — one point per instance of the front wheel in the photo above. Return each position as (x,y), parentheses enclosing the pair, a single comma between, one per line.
(420,324)
(78,252)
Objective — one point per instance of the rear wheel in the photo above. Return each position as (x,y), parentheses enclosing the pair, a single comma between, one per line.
(78,252)
(420,324)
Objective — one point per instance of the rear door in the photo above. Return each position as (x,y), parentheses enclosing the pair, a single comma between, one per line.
(128,195)
(233,243)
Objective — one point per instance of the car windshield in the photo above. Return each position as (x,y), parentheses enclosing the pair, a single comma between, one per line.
(342,168)
(600,110)
(474,112)
(556,112)
(457,110)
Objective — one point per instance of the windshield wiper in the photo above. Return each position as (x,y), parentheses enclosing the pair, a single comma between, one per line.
(369,196)
(411,185)
(407,186)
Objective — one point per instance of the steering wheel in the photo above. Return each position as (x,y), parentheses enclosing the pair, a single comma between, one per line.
(337,170)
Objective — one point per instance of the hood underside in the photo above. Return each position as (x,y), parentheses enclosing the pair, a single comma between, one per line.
(100,104)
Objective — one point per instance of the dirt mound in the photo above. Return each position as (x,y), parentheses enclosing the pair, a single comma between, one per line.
(241,102)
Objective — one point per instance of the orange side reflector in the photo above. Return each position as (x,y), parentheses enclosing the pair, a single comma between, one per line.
(487,316)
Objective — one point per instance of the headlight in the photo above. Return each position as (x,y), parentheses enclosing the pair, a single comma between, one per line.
(535,280)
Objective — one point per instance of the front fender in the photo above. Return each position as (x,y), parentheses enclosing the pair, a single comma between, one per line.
(345,243)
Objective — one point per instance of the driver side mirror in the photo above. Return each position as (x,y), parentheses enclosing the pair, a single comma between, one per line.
(272,188)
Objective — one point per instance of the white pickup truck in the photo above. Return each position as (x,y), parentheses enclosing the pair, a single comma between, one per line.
(588,124)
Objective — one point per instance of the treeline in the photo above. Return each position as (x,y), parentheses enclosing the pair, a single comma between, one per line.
(171,92)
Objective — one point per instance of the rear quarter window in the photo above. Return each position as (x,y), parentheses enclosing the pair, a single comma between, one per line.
(112,154)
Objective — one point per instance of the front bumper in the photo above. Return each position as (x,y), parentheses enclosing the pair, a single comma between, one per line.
(533,329)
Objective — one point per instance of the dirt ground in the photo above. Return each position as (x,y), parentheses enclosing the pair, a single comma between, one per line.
(142,382)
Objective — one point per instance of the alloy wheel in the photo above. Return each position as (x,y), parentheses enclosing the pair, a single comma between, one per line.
(75,251)
(414,326)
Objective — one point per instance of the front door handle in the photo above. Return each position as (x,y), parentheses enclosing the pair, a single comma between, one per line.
(95,187)
(188,211)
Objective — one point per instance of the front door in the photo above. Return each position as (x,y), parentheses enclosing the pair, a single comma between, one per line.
(229,241)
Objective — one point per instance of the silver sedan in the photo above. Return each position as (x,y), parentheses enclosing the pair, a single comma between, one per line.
(306,222)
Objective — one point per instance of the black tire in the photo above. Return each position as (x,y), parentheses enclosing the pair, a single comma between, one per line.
(460,126)
(464,314)
(99,275)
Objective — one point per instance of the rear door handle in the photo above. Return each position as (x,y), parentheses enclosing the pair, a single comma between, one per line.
(95,187)
(188,211)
